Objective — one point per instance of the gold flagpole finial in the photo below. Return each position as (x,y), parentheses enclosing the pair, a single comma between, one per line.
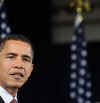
(80,5)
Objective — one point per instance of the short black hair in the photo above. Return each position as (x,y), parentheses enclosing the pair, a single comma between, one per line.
(17,37)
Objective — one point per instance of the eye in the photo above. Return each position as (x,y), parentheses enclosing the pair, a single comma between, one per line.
(10,56)
(26,59)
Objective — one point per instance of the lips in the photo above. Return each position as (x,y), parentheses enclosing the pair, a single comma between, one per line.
(17,75)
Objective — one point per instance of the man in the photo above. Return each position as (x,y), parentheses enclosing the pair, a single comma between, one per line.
(16,56)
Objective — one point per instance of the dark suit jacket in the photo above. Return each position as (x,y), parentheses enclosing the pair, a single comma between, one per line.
(1,100)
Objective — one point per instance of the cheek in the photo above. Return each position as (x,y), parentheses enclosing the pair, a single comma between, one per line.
(28,70)
(27,75)
(5,66)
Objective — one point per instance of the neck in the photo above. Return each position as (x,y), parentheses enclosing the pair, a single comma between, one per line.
(12,91)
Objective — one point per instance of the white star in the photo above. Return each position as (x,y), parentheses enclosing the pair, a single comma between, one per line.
(8,30)
(72,95)
(3,15)
(81,81)
(3,25)
(84,53)
(80,91)
(73,75)
(73,66)
(88,84)
(84,43)
(88,94)
(82,72)
(87,101)
(83,62)
(80,100)
(73,47)
(3,35)
(73,85)
(74,38)
(74,56)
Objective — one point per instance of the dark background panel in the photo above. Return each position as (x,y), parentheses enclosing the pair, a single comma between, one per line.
(94,66)
(30,18)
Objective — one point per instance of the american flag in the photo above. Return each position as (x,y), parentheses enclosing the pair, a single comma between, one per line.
(4,28)
(80,78)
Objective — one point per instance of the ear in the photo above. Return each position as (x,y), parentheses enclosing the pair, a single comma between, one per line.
(32,67)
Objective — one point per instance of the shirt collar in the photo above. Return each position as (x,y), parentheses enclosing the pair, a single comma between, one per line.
(7,98)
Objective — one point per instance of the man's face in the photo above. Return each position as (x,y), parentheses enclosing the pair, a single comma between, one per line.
(15,64)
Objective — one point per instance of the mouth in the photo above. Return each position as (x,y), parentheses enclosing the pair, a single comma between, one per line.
(17,75)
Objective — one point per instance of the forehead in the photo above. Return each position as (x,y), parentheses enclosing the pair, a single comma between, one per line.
(17,46)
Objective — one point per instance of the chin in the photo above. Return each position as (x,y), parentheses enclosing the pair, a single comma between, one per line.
(19,85)
(15,85)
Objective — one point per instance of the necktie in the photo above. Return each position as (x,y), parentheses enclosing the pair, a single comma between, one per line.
(13,101)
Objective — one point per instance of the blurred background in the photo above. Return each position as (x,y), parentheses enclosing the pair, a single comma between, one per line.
(49,25)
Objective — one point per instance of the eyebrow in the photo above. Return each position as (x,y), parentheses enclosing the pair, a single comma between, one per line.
(14,54)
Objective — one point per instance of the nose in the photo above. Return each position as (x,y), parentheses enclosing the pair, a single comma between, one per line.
(18,63)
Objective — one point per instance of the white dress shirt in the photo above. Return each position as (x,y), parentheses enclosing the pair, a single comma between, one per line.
(7,98)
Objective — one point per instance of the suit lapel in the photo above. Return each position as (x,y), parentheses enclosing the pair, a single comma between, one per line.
(1,100)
